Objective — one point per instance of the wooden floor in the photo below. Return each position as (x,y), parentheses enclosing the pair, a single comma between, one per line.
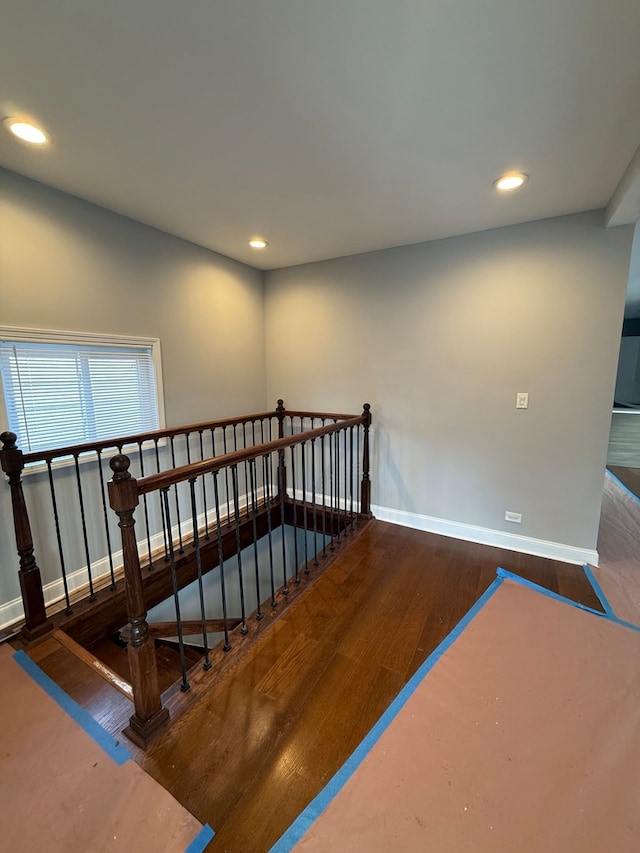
(263,741)
(624,439)
(630,477)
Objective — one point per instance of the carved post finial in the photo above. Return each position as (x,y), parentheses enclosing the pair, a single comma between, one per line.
(8,440)
(120,466)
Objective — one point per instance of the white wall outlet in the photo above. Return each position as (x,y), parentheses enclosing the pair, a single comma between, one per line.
(522,400)
(513,516)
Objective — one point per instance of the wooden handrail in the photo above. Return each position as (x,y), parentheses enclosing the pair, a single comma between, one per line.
(165,479)
(317,416)
(121,441)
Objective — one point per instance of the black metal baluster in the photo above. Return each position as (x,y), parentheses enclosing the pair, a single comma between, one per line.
(105,517)
(145,507)
(331,517)
(323,463)
(92,595)
(313,501)
(339,483)
(213,442)
(204,492)
(223,594)
(254,514)
(295,515)
(236,505)
(246,477)
(336,442)
(358,467)
(188,450)
(285,588)
(196,542)
(235,447)
(162,517)
(342,490)
(267,478)
(226,470)
(177,502)
(351,476)
(304,508)
(271,477)
(176,597)
(56,519)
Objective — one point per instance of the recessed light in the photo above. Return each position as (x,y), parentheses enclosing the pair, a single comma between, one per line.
(511,181)
(258,243)
(26,130)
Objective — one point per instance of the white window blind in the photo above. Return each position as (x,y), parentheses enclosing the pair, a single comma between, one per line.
(59,394)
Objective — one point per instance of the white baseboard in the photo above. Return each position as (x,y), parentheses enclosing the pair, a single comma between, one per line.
(11,613)
(487,536)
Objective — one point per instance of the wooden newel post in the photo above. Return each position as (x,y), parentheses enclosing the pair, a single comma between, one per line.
(149,713)
(280,410)
(29,574)
(282,468)
(365,486)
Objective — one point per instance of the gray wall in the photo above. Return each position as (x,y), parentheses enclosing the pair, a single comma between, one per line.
(66,264)
(439,337)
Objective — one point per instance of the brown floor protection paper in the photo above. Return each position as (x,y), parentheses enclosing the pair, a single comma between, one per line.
(523,738)
(59,790)
(619,571)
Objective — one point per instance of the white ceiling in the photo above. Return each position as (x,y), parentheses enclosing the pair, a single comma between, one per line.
(331,127)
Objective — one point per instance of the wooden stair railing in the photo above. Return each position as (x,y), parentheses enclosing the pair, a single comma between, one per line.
(125,492)
(294,428)
(14,461)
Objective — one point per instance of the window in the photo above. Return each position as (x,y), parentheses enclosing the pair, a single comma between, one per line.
(67,388)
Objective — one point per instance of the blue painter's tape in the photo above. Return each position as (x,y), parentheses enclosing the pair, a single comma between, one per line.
(504,573)
(611,617)
(109,744)
(201,840)
(622,485)
(604,601)
(299,827)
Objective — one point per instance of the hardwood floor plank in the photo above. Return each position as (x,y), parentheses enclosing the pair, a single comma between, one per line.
(630,477)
